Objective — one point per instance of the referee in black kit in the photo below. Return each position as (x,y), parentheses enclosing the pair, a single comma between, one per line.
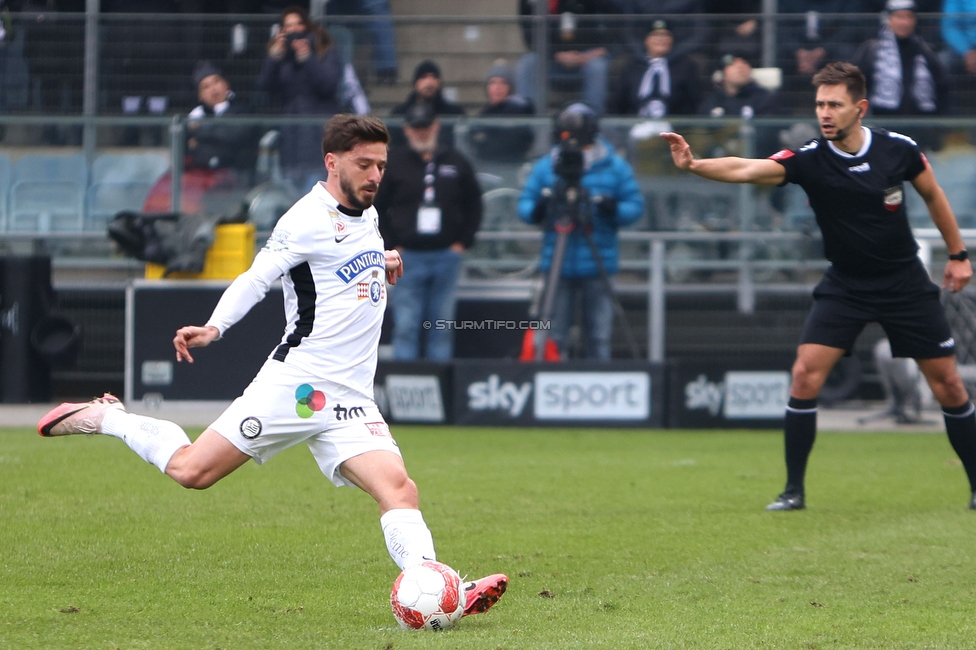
(853,177)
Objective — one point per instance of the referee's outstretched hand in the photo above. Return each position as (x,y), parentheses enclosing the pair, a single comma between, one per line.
(680,150)
(957,275)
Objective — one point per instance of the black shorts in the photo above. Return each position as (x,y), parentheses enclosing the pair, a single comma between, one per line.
(906,305)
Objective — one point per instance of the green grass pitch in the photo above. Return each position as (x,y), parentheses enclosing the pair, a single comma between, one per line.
(612,539)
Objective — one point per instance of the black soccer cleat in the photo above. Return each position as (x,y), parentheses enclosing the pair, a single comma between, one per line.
(792,501)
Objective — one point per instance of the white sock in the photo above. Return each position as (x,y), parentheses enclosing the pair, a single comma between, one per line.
(154,440)
(407,537)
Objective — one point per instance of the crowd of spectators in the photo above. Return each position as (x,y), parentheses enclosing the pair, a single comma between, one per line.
(647,58)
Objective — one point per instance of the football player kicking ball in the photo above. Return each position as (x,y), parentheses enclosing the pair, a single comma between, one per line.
(316,386)
(854,177)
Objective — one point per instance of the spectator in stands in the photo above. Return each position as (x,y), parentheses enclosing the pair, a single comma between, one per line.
(579,49)
(427,89)
(303,72)
(502,143)
(737,94)
(210,144)
(959,34)
(741,34)
(384,52)
(687,22)
(614,200)
(904,76)
(811,34)
(660,83)
(430,209)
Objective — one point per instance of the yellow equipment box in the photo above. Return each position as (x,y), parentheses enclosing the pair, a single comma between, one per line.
(230,255)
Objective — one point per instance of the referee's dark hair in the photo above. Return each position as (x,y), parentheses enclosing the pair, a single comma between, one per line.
(842,73)
(345,130)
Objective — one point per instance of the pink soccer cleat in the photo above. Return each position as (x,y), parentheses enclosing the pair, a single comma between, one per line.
(69,419)
(482,594)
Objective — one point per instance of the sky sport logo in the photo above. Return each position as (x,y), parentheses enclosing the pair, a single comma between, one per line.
(309,401)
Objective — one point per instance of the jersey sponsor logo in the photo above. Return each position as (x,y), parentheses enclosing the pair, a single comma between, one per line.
(782,154)
(372,290)
(250,428)
(381,429)
(308,400)
(899,136)
(863,167)
(365,260)
(893,198)
(343,413)
(948,343)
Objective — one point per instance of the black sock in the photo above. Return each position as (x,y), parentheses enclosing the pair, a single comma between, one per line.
(960,424)
(799,432)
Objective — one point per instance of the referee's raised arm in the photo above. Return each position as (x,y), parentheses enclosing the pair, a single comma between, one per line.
(758,171)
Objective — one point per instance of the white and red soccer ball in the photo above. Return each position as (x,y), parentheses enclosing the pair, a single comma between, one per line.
(428,595)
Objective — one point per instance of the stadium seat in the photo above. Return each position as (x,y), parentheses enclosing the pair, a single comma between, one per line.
(120,182)
(47,193)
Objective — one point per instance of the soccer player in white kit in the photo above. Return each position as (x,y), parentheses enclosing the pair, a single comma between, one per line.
(317,385)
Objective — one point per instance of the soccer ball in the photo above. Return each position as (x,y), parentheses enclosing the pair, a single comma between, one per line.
(428,595)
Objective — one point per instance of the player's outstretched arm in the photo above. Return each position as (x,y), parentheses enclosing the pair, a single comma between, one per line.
(394,266)
(758,171)
(957,273)
(192,336)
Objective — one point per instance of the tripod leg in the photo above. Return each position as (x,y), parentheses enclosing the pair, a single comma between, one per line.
(549,292)
(617,307)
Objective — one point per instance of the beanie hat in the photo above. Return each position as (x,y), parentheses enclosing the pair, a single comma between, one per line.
(203,70)
(503,71)
(425,68)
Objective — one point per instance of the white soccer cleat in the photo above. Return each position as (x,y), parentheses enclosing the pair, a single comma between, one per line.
(84,418)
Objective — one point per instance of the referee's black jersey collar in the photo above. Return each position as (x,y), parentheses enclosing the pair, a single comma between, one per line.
(865,146)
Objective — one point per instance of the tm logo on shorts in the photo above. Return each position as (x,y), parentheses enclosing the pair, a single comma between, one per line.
(309,401)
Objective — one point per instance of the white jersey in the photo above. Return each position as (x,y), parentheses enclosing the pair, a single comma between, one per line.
(333,271)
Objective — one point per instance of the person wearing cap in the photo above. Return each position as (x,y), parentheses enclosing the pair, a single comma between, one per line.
(903,73)
(427,89)
(687,22)
(736,94)
(430,208)
(212,144)
(660,83)
(613,199)
(502,143)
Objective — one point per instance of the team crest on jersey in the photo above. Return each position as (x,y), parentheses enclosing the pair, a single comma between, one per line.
(371,290)
(893,198)
(349,269)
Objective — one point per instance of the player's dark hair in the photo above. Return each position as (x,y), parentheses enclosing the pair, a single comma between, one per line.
(344,131)
(841,73)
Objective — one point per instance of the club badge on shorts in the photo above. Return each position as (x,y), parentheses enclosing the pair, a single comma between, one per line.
(893,198)
(251,428)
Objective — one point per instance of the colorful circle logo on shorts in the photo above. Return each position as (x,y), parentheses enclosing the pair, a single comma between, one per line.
(309,401)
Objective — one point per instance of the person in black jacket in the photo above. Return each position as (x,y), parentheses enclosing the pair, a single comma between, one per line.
(211,144)
(661,83)
(427,89)
(737,94)
(502,143)
(429,205)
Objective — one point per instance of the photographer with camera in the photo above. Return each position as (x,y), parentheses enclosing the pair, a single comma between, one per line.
(303,73)
(580,193)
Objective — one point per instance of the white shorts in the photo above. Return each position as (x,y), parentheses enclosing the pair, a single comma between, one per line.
(284,406)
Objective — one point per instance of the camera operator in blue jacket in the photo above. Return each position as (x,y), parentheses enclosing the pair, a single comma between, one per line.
(610,198)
